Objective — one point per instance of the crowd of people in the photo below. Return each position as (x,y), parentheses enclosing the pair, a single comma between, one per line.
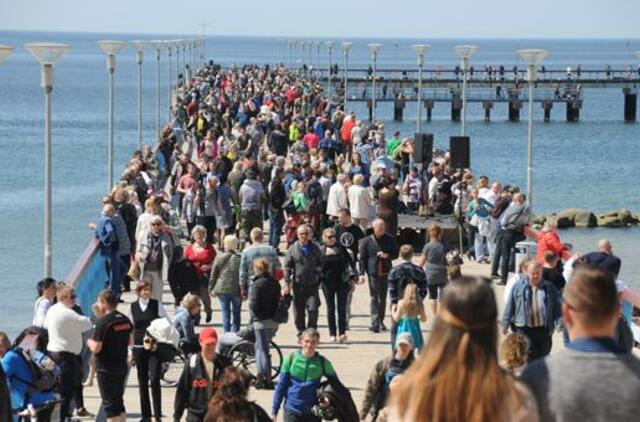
(254,144)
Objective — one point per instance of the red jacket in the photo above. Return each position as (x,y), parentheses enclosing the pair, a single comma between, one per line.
(549,241)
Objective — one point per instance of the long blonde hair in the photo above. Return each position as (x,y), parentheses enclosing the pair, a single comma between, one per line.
(457,377)
(411,305)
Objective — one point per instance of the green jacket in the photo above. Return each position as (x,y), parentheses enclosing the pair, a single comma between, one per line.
(225,274)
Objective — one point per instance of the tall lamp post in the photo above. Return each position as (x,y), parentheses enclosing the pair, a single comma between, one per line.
(421,51)
(532,57)
(169,45)
(139,46)
(111,48)
(48,55)
(317,44)
(465,52)
(158,45)
(329,45)
(373,49)
(346,46)
(177,44)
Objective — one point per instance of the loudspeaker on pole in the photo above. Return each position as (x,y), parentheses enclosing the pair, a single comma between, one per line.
(459,150)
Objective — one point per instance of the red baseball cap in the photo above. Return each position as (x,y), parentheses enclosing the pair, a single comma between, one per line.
(208,336)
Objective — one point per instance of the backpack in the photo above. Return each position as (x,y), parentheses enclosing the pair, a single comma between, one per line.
(45,372)
(340,407)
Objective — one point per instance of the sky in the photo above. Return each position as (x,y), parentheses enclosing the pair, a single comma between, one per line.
(331,18)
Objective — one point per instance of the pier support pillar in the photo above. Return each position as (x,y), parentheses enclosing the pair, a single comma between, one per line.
(370,109)
(456,105)
(398,109)
(630,104)
(428,104)
(573,110)
(547,106)
(514,104)
(487,105)
(514,110)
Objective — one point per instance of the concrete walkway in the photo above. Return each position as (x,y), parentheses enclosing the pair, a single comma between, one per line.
(353,361)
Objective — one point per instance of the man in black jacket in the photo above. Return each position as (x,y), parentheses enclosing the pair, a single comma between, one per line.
(277,197)
(377,251)
(278,141)
(200,379)
(302,265)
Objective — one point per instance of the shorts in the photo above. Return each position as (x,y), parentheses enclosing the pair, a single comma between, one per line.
(435,292)
(111,386)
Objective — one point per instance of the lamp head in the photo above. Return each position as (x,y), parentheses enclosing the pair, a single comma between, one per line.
(5,51)
(373,49)
(532,56)
(328,44)
(47,53)
(111,47)
(421,51)
(346,46)
(465,51)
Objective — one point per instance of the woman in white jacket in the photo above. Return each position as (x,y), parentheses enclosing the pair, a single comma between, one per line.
(359,202)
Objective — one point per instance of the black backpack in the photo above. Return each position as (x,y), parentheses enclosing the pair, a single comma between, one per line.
(341,405)
(45,372)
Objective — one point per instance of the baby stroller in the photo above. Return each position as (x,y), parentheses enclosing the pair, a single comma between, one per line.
(240,349)
(162,338)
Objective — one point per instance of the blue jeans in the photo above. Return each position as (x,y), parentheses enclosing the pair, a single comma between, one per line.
(116,271)
(226,303)
(276,223)
(263,357)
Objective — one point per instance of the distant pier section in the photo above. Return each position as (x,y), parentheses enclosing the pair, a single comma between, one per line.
(553,87)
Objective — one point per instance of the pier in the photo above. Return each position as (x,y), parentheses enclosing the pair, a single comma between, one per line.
(553,87)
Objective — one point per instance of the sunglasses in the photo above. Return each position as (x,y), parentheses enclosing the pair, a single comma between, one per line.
(72,296)
(331,236)
(156,224)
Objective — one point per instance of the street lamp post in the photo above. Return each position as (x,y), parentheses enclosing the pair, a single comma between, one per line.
(111,48)
(329,45)
(373,49)
(317,43)
(420,50)
(346,46)
(47,54)
(532,57)
(177,44)
(158,46)
(169,45)
(139,46)
(465,52)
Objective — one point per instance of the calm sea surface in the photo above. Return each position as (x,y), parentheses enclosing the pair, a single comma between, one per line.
(591,164)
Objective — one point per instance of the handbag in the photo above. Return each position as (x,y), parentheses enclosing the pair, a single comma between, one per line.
(134,270)
(475,220)
(282,310)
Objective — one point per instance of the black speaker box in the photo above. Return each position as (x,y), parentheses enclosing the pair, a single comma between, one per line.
(423,148)
(459,149)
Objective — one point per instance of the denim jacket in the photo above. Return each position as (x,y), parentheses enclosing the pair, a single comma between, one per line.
(518,302)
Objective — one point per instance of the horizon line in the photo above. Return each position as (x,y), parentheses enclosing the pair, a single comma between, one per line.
(326,37)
